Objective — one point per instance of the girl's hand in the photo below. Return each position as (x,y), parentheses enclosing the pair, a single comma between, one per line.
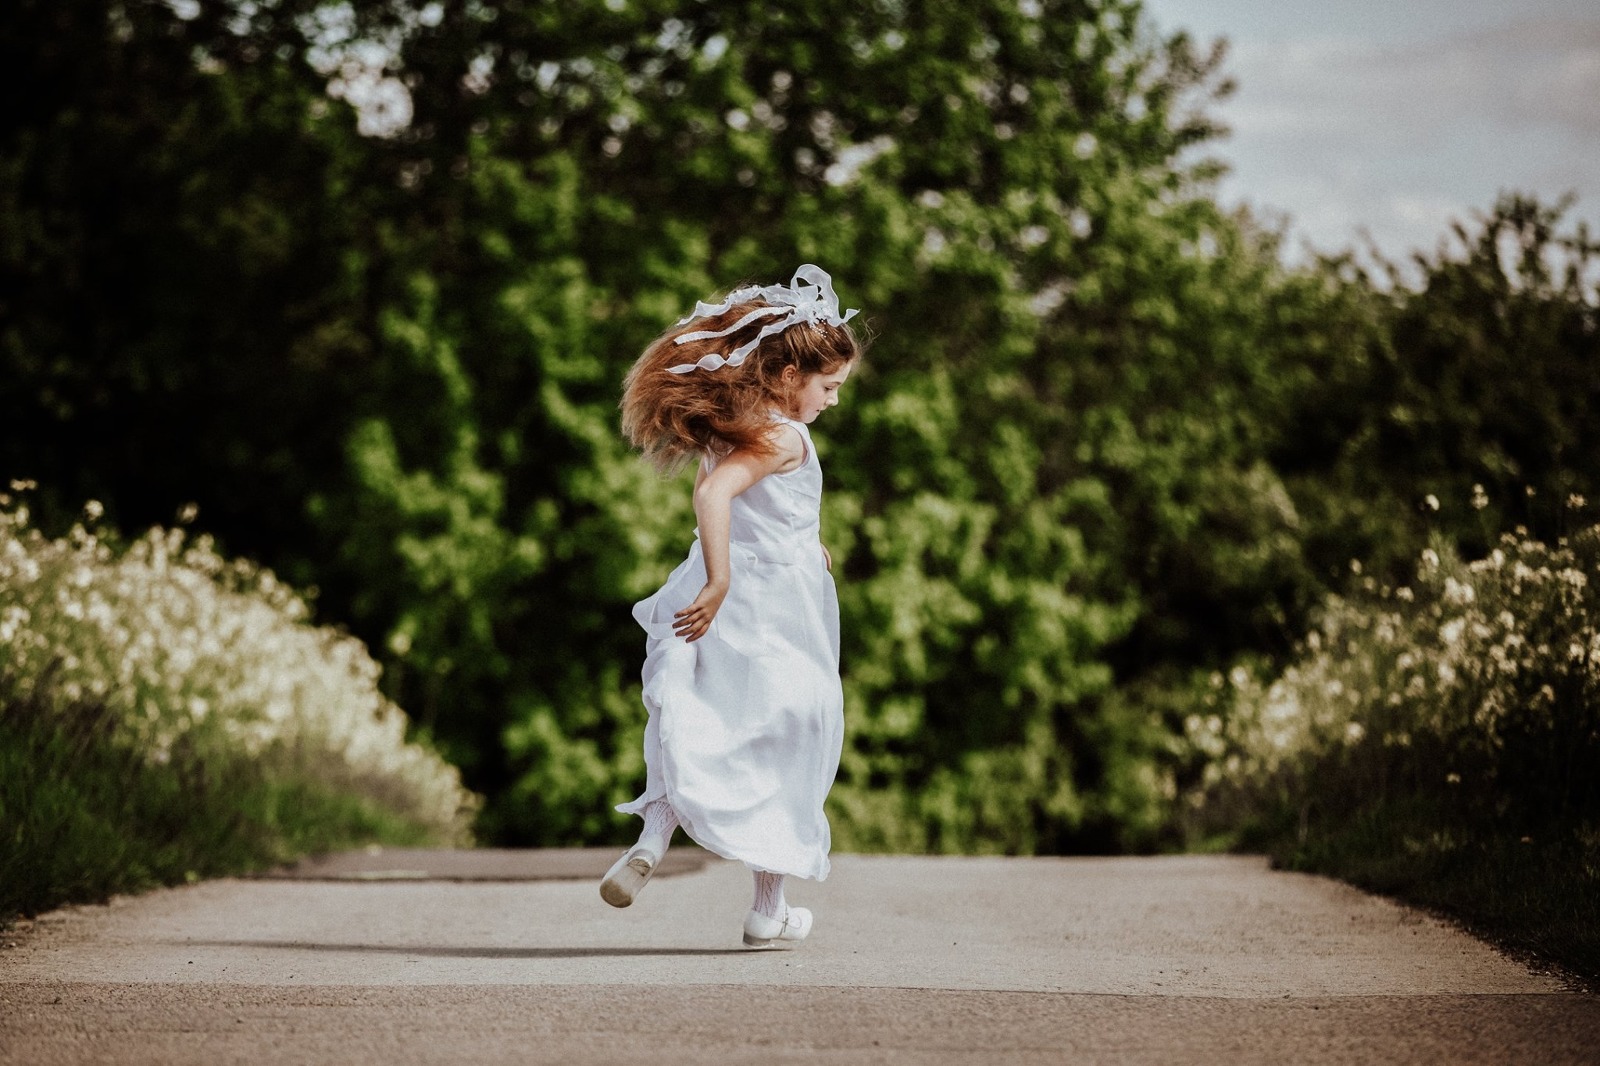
(827,558)
(692,622)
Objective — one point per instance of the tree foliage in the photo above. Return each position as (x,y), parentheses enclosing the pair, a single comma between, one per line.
(1474,406)
(1103,441)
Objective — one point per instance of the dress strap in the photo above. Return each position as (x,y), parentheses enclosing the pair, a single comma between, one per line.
(805,431)
(805,436)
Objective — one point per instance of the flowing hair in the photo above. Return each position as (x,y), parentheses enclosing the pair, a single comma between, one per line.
(675,418)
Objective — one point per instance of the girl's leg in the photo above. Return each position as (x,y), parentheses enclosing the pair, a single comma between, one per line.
(769,894)
(771,920)
(628,875)
(659,822)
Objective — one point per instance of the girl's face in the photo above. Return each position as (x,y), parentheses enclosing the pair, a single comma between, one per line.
(815,393)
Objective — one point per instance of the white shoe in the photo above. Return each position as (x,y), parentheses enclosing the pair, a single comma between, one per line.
(761,931)
(628,875)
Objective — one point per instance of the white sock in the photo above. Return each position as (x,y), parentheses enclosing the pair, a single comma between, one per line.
(769,894)
(659,822)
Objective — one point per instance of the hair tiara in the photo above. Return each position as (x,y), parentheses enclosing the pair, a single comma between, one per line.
(809,297)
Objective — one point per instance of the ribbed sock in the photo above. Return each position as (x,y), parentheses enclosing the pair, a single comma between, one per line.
(769,894)
(659,822)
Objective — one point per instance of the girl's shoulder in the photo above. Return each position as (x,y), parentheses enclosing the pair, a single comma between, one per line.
(781,423)
(792,441)
(790,447)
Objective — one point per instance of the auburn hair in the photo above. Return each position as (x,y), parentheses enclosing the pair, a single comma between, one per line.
(676,418)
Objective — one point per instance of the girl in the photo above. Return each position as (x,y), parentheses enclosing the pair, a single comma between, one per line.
(741,672)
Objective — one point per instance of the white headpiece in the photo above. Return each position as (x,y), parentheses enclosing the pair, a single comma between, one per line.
(808,297)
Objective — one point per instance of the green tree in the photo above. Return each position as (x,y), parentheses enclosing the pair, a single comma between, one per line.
(183,267)
(388,365)
(999,186)
(1474,370)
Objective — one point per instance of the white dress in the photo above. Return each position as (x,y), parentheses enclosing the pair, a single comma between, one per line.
(746,723)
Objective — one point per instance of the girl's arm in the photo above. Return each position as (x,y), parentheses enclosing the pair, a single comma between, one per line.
(713,509)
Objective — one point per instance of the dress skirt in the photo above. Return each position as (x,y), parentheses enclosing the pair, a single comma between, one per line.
(746,724)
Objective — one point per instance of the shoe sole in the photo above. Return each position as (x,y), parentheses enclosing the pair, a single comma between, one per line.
(624,881)
(768,942)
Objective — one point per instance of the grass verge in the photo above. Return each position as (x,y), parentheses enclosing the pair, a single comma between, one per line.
(1438,742)
(167,714)
(1535,896)
(84,815)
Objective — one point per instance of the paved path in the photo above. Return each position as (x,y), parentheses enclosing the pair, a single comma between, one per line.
(914,960)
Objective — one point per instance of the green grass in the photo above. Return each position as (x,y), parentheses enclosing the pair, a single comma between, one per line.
(167,714)
(1536,895)
(84,816)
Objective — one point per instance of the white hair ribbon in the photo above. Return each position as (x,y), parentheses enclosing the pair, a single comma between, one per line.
(809,297)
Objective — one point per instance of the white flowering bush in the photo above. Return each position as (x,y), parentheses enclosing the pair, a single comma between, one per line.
(184,654)
(1472,695)
(1439,741)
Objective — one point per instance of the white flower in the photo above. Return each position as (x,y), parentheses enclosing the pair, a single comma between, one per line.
(167,636)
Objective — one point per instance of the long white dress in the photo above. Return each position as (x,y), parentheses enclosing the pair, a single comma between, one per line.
(746,724)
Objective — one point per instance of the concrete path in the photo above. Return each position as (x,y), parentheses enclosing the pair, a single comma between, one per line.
(416,957)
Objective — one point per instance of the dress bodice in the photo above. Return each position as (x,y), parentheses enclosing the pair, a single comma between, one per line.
(779,518)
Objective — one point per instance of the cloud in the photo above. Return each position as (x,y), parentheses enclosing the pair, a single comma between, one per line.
(1348,133)
(1544,72)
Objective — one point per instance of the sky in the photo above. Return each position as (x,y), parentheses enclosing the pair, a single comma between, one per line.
(1387,119)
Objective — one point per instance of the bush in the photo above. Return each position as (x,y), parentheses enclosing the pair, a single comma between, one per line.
(167,713)
(1440,741)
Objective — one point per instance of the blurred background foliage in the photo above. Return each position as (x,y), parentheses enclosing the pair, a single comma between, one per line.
(1105,444)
